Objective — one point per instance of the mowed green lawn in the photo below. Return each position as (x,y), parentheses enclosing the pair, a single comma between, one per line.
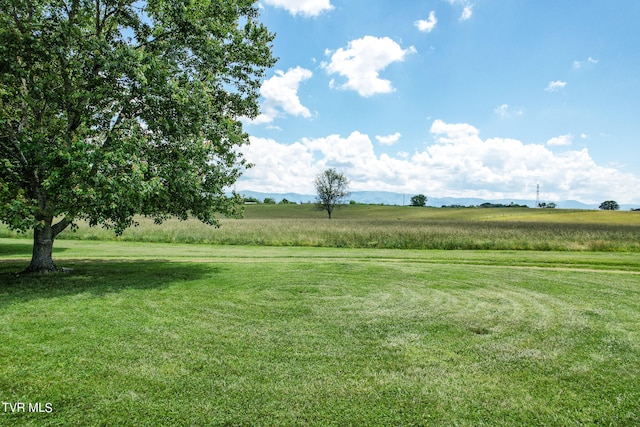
(162,334)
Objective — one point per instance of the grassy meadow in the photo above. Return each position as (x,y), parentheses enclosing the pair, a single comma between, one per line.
(167,326)
(395,227)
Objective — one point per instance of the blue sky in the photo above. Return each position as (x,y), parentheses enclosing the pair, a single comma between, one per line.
(452,98)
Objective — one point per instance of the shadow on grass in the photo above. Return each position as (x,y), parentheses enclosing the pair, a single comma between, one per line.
(96,277)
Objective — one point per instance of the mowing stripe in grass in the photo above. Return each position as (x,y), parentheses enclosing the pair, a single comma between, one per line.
(69,252)
(321,342)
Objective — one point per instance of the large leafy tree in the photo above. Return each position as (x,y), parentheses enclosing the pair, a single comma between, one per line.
(111,108)
(609,205)
(332,188)
(419,200)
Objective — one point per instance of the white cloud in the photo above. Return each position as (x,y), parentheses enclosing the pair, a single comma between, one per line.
(579,64)
(389,139)
(278,167)
(466,13)
(467,8)
(303,7)
(356,156)
(361,62)
(427,25)
(555,86)
(504,111)
(458,163)
(560,140)
(280,94)
(452,131)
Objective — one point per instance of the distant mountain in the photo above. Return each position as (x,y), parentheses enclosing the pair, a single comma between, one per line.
(399,199)
(292,197)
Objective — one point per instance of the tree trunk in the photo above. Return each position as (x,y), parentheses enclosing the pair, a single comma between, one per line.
(43,237)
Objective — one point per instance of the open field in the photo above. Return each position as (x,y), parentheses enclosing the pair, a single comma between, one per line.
(140,334)
(370,226)
(193,333)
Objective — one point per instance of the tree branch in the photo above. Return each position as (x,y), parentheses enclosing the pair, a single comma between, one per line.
(16,152)
(60,226)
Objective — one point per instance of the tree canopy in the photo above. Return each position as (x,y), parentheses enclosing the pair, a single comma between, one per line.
(111,108)
(419,200)
(332,188)
(609,205)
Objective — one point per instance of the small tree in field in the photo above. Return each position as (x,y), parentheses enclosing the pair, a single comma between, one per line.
(332,187)
(110,109)
(609,205)
(419,200)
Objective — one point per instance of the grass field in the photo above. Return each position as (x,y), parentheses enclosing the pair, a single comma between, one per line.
(396,227)
(143,333)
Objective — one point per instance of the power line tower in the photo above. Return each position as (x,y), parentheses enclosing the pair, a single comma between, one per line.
(538,196)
